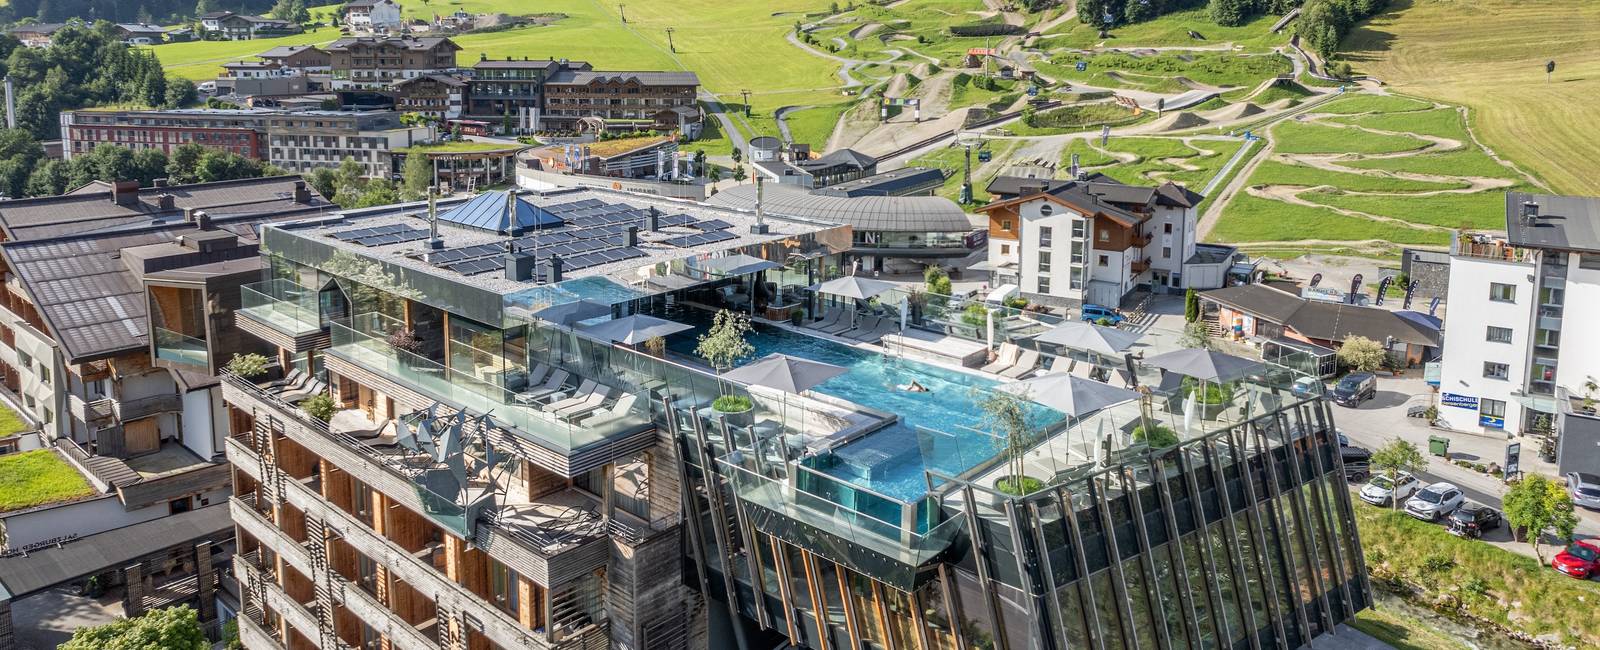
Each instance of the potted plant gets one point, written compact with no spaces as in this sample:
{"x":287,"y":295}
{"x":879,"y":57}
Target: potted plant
{"x":1150,"y":431}
{"x":405,"y":340}
{"x":1589,"y":389}
{"x":656,"y":347}
{"x":320,"y":406}
{"x":1008,"y":415}
{"x":248,"y":366}
{"x":723,"y":346}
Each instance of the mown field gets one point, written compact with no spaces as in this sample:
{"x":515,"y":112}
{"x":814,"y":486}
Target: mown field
{"x":731,"y":46}
{"x":1170,"y":30}
{"x":1489,"y":55}
{"x":1375,"y":171}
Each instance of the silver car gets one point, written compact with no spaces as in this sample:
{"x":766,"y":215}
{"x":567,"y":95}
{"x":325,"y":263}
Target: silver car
{"x":1380,"y":491}
{"x":1585,"y":489}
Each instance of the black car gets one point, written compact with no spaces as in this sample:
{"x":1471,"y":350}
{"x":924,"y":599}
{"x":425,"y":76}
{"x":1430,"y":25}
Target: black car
{"x":1472,"y":519}
{"x":1357,"y":463}
{"x":1355,"y":388}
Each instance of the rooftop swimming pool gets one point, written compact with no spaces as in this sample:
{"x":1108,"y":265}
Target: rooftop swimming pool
{"x":890,"y":461}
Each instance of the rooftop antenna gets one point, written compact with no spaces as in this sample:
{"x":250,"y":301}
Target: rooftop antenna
{"x":434,"y":242}
{"x":761,"y":222}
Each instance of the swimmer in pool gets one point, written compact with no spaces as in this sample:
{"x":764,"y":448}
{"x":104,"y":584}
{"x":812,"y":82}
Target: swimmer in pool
{"x":915,"y":387}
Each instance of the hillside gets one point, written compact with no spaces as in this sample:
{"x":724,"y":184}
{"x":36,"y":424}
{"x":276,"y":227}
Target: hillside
{"x":1489,"y":55}
{"x":158,"y":11}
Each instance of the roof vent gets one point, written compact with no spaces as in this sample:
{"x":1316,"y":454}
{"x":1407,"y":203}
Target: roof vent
{"x":166,"y":201}
{"x":1530,"y":212}
{"x":519,"y":266}
{"x":125,"y":192}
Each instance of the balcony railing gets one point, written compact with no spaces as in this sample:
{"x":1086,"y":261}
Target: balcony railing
{"x":180,"y":348}
{"x":282,"y":305}
{"x":365,"y":345}
{"x":1140,"y":266}
{"x":145,"y":406}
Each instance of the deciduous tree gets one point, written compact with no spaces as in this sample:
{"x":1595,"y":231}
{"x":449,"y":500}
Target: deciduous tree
{"x":1536,"y":505}
{"x":1362,"y":354}
{"x":172,"y":628}
{"x":1395,"y":457}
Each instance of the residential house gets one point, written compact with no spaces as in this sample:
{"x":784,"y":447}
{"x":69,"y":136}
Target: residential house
{"x":649,"y":100}
{"x":36,"y":34}
{"x":300,"y":59}
{"x":141,"y":33}
{"x":1263,"y":312}
{"x":372,"y":15}
{"x":227,"y":25}
{"x":305,"y":140}
{"x":1114,"y":238}
{"x":438,"y":95}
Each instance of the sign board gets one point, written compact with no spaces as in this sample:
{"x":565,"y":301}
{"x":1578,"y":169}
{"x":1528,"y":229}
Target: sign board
{"x":1083,"y":66}
{"x":1324,"y":294}
{"x":1493,"y":421}
{"x":1513,"y":459}
{"x":1459,"y":401}
{"x":1431,"y":372}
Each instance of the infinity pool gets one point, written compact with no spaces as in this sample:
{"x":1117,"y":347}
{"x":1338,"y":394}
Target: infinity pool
{"x":890,"y":461}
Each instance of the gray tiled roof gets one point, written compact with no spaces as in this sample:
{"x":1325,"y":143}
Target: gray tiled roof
{"x":1565,"y":222}
{"x":1326,"y":321}
{"x":882,"y":213}
{"x":65,"y":251}
{"x":421,"y":44}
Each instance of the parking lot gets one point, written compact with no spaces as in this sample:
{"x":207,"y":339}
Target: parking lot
{"x":1383,"y":418}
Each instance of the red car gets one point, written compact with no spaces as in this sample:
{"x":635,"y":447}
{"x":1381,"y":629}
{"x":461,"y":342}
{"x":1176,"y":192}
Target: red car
{"x":1579,"y":560}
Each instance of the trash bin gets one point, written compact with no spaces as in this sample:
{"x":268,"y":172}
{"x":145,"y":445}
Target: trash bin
{"x":1439,"y":446}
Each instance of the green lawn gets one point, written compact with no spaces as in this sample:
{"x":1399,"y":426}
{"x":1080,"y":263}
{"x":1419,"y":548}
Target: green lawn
{"x":1168,"y":30}
{"x":1469,"y":162}
{"x":11,"y":423}
{"x":1293,"y":136}
{"x":814,"y":126}
{"x":1087,"y":156}
{"x":1248,"y":218}
{"x":1272,"y":172}
{"x":1367,"y":103}
{"x":1281,"y":91}
{"x":951,"y":160}
{"x":1440,"y":122}
{"x":1152,"y":167}
{"x":1079,"y":117}
{"x":1160,"y":72}
{"x":969,"y":90}
{"x":1481,"y":577}
{"x":202,"y":60}
{"x":1404,"y":632}
{"x":37,"y":477}
{"x":1479,"y":210}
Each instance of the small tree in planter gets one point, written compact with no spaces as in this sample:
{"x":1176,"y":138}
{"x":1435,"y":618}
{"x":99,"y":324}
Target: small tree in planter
{"x":1008,"y":415}
{"x":405,"y":340}
{"x":1150,"y":431}
{"x":248,"y":365}
{"x":320,"y":406}
{"x":656,"y":347}
{"x":723,"y":346}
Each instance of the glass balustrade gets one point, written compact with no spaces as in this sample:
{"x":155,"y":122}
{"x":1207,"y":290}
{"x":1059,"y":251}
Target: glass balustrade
{"x":282,"y":305}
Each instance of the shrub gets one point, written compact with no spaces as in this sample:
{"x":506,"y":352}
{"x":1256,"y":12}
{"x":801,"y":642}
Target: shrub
{"x":1158,"y":437}
{"x":1017,"y":302}
{"x":732,"y":404}
{"x":248,"y":365}
{"x":320,"y":406}
{"x":975,"y":315}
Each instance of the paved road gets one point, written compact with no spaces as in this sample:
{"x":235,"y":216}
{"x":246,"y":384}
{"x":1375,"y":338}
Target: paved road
{"x":719,"y":111}
{"x":1384,"y":418}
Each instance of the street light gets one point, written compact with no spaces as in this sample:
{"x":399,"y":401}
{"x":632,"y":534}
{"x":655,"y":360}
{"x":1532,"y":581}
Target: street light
{"x":670,"y":46}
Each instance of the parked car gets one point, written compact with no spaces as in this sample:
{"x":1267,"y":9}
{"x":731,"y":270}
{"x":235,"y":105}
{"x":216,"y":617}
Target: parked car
{"x":1306,"y":387}
{"x":1380,"y":491}
{"x":1435,"y":501}
{"x":1357,"y":463}
{"x":1418,"y":411}
{"x":1579,"y":559}
{"x":1093,"y":313}
{"x":1355,"y":388}
{"x":1471,"y":519}
{"x":1585,"y":489}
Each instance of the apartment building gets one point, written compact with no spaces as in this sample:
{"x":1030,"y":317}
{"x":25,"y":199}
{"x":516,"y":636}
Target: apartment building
{"x":305,"y":140}
{"x":1115,"y":238}
{"x":441,"y":96}
{"x":241,"y":131}
{"x":372,"y":15}
{"x":1509,"y":362}
{"x":116,"y":314}
{"x":498,"y":88}
{"x":452,"y":501}
{"x":231,"y":26}
{"x":299,"y":59}
{"x":650,"y":99}
{"x":373,"y":63}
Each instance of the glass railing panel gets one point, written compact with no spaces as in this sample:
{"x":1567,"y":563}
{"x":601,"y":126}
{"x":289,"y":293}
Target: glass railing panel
{"x":283,"y":305}
{"x":180,"y":348}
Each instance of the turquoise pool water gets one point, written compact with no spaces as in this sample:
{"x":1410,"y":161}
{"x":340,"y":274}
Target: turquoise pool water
{"x":891,"y":461}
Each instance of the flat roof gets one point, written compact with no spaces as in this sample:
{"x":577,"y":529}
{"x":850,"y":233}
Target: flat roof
{"x":474,"y":243}
{"x":886,"y":183}
{"x":1564,"y":222}
{"x":884,"y":213}
{"x":50,"y":566}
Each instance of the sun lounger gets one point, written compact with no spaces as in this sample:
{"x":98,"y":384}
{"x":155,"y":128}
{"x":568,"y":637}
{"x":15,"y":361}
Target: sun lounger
{"x":618,"y":410}
{"x":293,"y":381}
{"x":829,"y":319}
{"x":846,"y":322}
{"x":872,"y":335}
{"x":863,"y":325}
{"x":1004,"y":359}
{"x":1026,"y":363}
{"x":577,"y":403}
{"x":313,"y":387}
{"x":584,"y":388}
{"x":551,"y":384}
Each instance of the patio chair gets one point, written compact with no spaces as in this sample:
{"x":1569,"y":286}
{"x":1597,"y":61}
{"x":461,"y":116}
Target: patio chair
{"x":580,"y":403}
{"x":1025,"y":364}
{"x":551,"y":384}
{"x":315,"y":387}
{"x":618,"y":410}
{"x":292,"y":381}
{"x":1004,"y":359}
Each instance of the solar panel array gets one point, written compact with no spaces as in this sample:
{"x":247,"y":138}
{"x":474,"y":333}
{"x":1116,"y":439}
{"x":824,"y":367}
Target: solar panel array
{"x":352,"y":235}
{"x":714,"y":224}
{"x":395,"y":237}
{"x":711,"y":237}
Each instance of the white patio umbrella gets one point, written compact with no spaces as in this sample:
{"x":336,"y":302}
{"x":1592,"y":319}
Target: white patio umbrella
{"x":785,"y":373}
{"x":1088,"y":337}
{"x":854,"y":287}
{"x":634,"y":329}
{"x":1071,"y":394}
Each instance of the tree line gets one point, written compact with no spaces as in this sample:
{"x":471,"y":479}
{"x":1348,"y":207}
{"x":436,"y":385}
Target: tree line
{"x":1324,"y":23}
{"x":163,"y":12}
{"x":25,"y":172}
{"x":1223,"y":12}
{"x":85,"y":65}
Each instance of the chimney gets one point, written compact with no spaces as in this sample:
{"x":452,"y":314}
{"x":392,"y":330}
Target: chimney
{"x":159,"y":182}
{"x":166,"y":202}
{"x":125,"y":192}
{"x":653,"y":222}
{"x":434,"y":242}
{"x":1530,"y":212}
{"x":200,"y":218}
{"x":760,"y":227}
{"x":555,"y":269}
{"x":633,"y":236}
{"x":302,"y":193}
{"x":483,"y":56}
